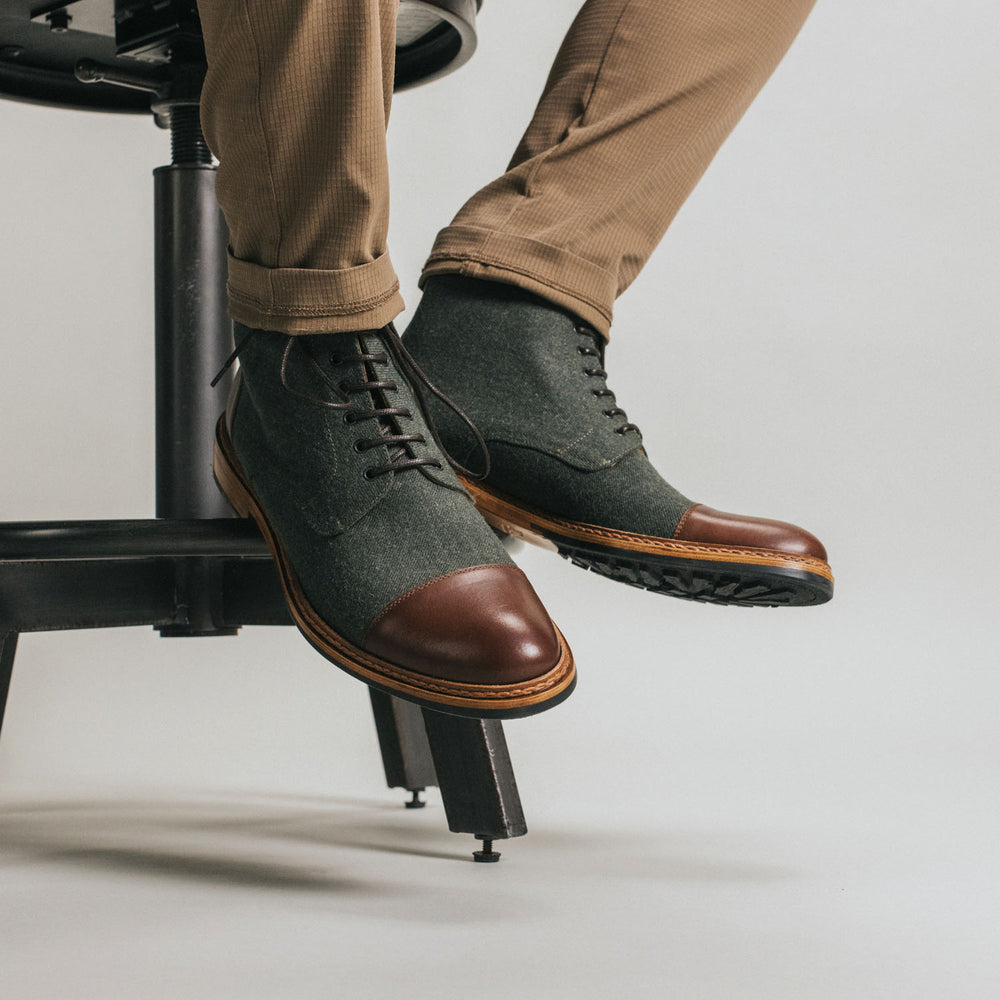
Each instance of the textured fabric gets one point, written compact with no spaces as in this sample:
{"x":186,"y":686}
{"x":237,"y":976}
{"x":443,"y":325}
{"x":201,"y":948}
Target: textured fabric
{"x":513,"y":358}
{"x":515,"y":364}
{"x":295,"y":104}
{"x":629,"y":495}
{"x":356,"y":544}
{"x":641,"y":96}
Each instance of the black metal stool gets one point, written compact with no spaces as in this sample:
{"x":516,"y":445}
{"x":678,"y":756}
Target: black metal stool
{"x":196,"y":570}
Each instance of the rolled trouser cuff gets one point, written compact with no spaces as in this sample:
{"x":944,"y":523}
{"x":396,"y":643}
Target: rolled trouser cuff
{"x":577,"y":285}
{"x":311,"y":300}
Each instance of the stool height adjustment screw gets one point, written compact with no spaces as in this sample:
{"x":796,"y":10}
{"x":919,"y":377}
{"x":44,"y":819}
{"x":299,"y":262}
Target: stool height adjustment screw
{"x":487,"y":854}
{"x":187,"y":142}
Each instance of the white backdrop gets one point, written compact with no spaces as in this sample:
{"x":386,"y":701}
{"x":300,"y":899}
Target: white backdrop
{"x":815,"y":340}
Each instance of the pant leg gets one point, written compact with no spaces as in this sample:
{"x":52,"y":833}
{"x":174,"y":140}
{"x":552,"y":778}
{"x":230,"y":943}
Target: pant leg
{"x":295,"y":106}
{"x":641,"y":96}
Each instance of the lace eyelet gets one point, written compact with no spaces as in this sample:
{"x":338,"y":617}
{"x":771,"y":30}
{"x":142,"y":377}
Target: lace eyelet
{"x":368,"y":474}
{"x":359,"y":447}
{"x":335,"y":359}
{"x":348,"y":418}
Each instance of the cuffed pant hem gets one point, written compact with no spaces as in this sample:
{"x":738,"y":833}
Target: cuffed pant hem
{"x":311,"y":300}
{"x":564,"y":279}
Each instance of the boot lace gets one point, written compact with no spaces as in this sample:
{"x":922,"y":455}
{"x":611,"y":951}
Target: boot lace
{"x":353,"y":395}
{"x":596,"y":350}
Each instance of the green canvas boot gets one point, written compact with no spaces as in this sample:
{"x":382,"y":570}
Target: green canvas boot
{"x":569,"y":472}
{"x":388,"y":569}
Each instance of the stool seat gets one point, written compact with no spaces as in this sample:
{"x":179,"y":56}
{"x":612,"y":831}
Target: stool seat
{"x":41,"y":44}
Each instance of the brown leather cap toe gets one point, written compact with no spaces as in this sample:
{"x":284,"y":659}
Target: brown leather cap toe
{"x":716,"y":527}
{"x":482,"y":625}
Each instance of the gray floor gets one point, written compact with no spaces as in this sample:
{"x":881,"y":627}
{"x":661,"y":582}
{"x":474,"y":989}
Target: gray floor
{"x":814,"y":818}
{"x":278,"y":896}
{"x":263,"y":896}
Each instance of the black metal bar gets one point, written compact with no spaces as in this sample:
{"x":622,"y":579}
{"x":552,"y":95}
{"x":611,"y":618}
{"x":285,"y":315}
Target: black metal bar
{"x":102,"y":593}
{"x":402,"y":738}
{"x":43,"y":596}
{"x":198,"y":589}
{"x":134,"y":539}
{"x":8,"y":647}
{"x":252,"y":594}
{"x":194,"y":336}
{"x":475,"y":776}
{"x":152,"y":81}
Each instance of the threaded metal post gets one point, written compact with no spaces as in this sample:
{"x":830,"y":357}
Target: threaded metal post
{"x":187,"y":142}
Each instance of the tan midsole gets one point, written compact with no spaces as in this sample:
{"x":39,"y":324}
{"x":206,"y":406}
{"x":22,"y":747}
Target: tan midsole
{"x":526,"y":524}
{"x":361,"y":663}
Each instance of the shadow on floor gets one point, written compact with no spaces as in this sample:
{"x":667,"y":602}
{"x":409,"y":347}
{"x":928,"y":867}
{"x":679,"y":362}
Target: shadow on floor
{"x":253,"y":842}
{"x":304,"y":843}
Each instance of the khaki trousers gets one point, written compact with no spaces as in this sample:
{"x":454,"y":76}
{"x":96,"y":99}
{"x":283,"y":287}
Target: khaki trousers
{"x":295,"y":106}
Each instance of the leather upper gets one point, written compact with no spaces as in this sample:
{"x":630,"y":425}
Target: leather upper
{"x":716,"y":527}
{"x":482,"y":625}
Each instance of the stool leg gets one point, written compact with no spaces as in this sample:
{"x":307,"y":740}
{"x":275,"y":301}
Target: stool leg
{"x":8,"y":647}
{"x":406,"y":754}
{"x":476,"y":779}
